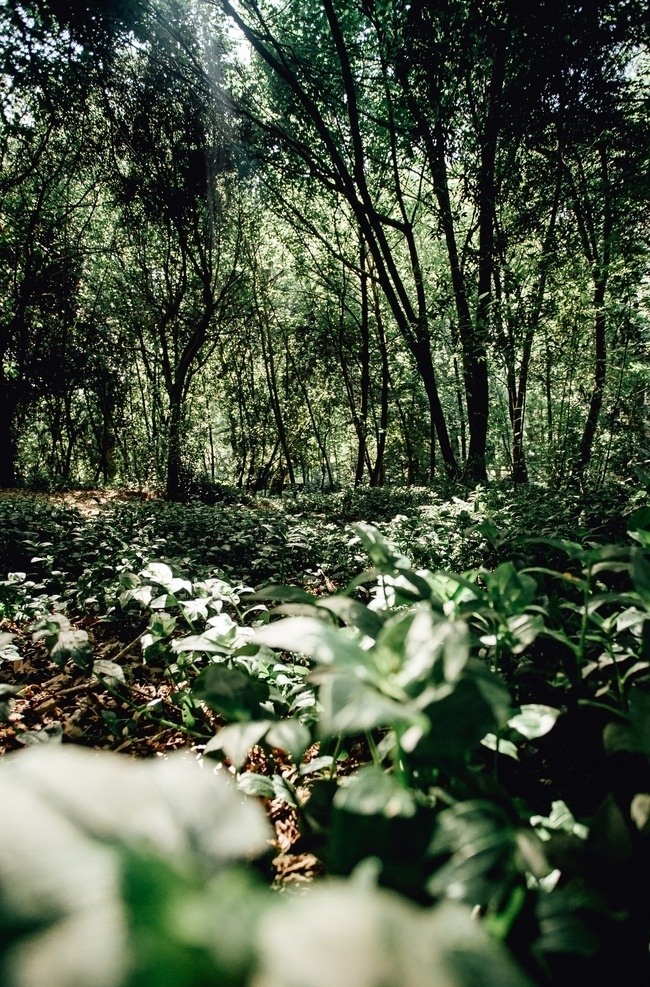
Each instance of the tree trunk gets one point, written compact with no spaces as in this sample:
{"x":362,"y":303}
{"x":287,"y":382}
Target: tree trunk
{"x":378,"y":473}
{"x":600,"y":271}
{"x":174,"y":484}
{"x":361,"y":423}
{"x":7,"y":438}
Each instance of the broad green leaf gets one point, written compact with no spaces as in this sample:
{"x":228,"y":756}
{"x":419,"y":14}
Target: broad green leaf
{"x":258,"y":785}
{"x":348,"y":935}
{"x":284,"y":594}
{"x":631,"y":619}
{"x":382,"y":554}
{"x":479,"y":704}
{"x":481,"y":841}
{"x":109,"y":670}
{"x":8,"y":690}
{"x":195,"y":609}
{"x":158,"y":572}
{"x":232,"y":692}
{"x":210,"y":644}
{"x":318,"y":764}
{"x":388,"y":651}
{"x":290,"y":735}
{"x":52,"y":733}
{"x":449,"y":588}
{"x":500,"y":745}
{"x":353,"y":613}
{"x":237,"y":739}
{"x":638,"y":525}
{"x":434,"y":649}
{"x":162,"y":625}
{"x":143,"y":594}
{"x":641,"y":575}
{"x":560,"y":819}
{"x":72,"y":645}
{"x":373,"y":792}
{"x":99,"y":862}
{"x":523,"y":629}
{"x":350,"y":707}
{"x":315,"y":638}
{"x":534,"y":720}
{"x":402,"y":587}
{"x":283,"y":790}
{"x":508,"y":590}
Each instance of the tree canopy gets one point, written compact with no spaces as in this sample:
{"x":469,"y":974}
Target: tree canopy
{"x":323,"y":243}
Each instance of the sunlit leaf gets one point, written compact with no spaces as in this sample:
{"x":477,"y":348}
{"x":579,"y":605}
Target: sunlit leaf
{"x":315,"y":638}
{"x":237,"y":739}
{"x":534,"y":720}
{"x":500,"y":745}
{"x":349,"y":707}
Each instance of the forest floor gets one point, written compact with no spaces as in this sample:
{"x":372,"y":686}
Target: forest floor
{"x":85,"y":501}
{"x":66,"y":705}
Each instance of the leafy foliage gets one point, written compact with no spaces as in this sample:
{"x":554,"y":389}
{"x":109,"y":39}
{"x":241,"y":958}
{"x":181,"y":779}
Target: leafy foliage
{"x":476,"y":739}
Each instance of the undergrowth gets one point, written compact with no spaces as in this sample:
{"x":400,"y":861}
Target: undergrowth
{"x":450,"y":700}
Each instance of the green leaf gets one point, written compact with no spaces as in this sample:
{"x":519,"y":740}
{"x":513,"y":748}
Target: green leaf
{"x":480,"y":704}
{"x":353,"y":613}
{"x":382,"y":554}
{"x":434,"y":649}
{"x":284,"y":594}
{"x":75,"y":824}
{"x":284,"y":791}
{"x":237,"y":739}
{"x":500,"y":745}
{"x":345,"y":935}
{"x":8,"y":690}
{"x":534,"y":720}
{"x":108,"y":670}
{"x":52,"y":733}
{"x":641,"y":575}
{"x":523,"y":629}
{"x":315,"y":638}
{"x":318,"y":764}
{"x":291,"y":736}
{"x":638,"y":525}
{"x":260,"y":786}
{"x":350,"y":707}
{"x":232,"y":692}
{"x":481,"y":841}
{"x":373,"y":792}
{"x":509,"y":590}
{"x":215,"y":640}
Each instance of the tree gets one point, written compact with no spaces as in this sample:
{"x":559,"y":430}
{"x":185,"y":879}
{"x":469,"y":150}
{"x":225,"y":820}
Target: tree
{"x":411,"y":113}
{"x":51,"y":191}
{"x":181,"y":230}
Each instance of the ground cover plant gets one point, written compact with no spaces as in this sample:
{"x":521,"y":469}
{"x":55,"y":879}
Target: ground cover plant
{"x":456,"y":755}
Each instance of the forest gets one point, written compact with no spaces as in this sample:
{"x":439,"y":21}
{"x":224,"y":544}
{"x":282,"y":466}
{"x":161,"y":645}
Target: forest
{"x":324,"y":493}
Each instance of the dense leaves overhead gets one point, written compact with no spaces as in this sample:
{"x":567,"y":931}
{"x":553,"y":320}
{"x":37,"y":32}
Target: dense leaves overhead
{"x":337,"y":242}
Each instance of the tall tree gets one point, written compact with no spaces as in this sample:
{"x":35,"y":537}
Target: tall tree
{"x":181,"y":227}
